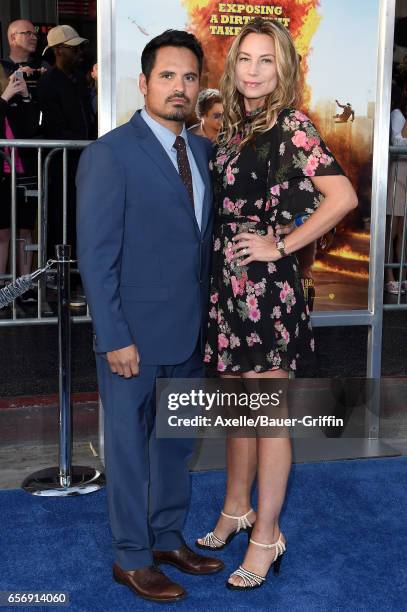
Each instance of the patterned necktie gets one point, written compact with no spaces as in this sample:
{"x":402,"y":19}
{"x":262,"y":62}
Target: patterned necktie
{"x":183,"y":165}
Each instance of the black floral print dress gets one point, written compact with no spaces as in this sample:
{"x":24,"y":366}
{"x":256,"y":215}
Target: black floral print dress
{"x":258,"y":318}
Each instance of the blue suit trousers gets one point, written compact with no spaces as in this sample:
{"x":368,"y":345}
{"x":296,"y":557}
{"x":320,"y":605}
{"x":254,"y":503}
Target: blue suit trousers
{"x":148,"y":481}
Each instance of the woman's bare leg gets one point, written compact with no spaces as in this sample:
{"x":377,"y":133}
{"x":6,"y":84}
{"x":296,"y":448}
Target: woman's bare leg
{"x":273,"y":467}
{"x":241,"y":461}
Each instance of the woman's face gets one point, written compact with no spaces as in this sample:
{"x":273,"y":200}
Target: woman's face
{"x":213,"y":118}
{"x":256,"y":69}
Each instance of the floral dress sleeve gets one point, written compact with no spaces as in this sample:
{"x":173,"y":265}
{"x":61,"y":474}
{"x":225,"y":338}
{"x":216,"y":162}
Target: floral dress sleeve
{"x":302,"y":155}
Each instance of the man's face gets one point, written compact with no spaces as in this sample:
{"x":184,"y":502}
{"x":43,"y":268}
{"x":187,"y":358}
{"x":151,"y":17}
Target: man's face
{"x":69,"y":55}
{"x":24,"y":36}
{"x":172,"y":89}
{"x":213,"y":118}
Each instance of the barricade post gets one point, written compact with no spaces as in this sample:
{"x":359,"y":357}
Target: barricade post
{"x":64,"y":480}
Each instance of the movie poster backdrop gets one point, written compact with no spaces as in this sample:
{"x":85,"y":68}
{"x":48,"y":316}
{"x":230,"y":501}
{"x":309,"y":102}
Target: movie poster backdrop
{"x":337,"y":41}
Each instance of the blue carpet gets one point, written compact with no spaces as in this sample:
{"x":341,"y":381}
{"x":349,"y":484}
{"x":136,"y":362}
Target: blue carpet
{"x":345,"y":523}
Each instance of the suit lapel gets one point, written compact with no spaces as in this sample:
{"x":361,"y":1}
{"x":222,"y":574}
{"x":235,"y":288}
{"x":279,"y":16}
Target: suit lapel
{"x":156,"y":152}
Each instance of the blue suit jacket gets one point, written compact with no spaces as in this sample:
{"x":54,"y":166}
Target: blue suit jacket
{"x":143,"y":260}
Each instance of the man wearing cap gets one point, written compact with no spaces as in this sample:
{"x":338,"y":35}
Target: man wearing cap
{"x":67,"y":115}
{"x":64,"y":97}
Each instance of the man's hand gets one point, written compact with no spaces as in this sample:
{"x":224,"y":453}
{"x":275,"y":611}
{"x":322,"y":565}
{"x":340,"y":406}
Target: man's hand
{"x":124,"y":361}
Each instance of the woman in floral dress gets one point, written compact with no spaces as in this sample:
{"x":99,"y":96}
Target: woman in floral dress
{"x":270,"y":164}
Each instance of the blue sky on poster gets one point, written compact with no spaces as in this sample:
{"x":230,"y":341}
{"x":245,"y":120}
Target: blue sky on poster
{"x":342,"y":64}
{"x":137,"y":23}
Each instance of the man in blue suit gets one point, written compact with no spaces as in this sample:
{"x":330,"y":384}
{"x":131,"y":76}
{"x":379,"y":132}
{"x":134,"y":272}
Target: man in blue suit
{"x":144,"y":240}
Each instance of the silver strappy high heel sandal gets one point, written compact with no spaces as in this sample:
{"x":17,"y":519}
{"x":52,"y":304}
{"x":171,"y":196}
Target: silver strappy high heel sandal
{"x":252,"y":580}
{"x":211,"y":540}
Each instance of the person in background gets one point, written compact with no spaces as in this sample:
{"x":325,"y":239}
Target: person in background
{"x":24,"y":120}
{"x":19,"y":118}
{"x":23,"y":39}
{"x":63,"y":93}
{"x":94,"y":89}
{"x":67,"y":115}
{"x":209,"y":111}
{"x":396,"y":207}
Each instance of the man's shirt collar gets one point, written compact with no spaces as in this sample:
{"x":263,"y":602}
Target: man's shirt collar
{"x":164,"y":135}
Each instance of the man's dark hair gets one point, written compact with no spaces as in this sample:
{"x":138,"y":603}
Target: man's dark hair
{"x":169,"y":38}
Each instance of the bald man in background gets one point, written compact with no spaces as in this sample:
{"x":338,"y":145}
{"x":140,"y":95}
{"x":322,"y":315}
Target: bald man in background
{"x":22,"y":39}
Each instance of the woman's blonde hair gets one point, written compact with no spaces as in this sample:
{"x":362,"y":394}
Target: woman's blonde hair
{"x":286,"y":93}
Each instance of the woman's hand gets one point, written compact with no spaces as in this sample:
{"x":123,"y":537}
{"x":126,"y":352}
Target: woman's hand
{"x":255,"y":248}
{"x":284,"y":230}
{"x":15,"y":86}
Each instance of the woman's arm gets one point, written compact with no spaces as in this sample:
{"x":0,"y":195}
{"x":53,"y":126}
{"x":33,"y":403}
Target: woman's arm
{"x":15,"y":86}
{"x":339,"y":199}
{"x":21,"y":111}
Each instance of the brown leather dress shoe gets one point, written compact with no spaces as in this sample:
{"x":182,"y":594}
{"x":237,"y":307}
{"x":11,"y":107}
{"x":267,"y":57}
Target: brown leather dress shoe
{"x":188,"y":561}
{"x":149,"y":583}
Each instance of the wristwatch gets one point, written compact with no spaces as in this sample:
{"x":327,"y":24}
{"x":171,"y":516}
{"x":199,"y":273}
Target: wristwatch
{"x":280,"y":246}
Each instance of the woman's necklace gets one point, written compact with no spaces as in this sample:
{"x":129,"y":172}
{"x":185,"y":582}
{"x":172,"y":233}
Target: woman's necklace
{"x":254,"y":113}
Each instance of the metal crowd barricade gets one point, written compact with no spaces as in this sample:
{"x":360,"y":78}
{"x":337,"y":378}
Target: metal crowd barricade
{"x":398,"y":159}
{"x":43,"y":162}
{"x":371,"y":317}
